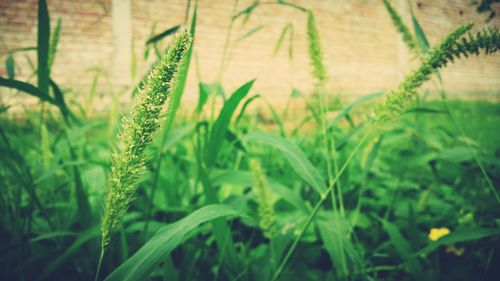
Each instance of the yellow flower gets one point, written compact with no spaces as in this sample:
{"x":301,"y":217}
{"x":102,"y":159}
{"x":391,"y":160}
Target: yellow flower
{"x":437,"y":233}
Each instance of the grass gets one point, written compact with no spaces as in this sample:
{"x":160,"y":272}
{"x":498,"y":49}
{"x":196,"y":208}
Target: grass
{"x":421,"y":166}
{"x":350,"y":191}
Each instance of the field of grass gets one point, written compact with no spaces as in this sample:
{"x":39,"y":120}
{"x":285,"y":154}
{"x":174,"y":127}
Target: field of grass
{"x":391,"y":186}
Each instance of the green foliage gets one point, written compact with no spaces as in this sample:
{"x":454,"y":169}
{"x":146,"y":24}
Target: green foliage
{"x":148,"y":257}
{"x":220,"y":126}
{"x":295,"y":156}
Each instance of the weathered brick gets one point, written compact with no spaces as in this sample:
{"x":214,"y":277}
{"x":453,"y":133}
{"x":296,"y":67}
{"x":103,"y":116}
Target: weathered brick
{"x":362,"y":51}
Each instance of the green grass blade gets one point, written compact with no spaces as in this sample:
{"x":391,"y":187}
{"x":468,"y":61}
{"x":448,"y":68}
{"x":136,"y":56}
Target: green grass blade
{"x":43,"y":46}
{"x":245,"y":179}
{"x":9,"y":65}
{"x":403,"y":248}
{"x":285,"y":30}
{"x":244,"y":107}
{"x":54,"y":265}
{"x":202,"y":98}
{"x":246,"y":11}
{"x":149,"y":256}
{"x":59,"y":98}
{"x":276,"y":118}
{"x":344,"y":112}
{"x":29,"y":89}
{"x":84,"y":214}
{"x":162,"y":35}
{"x":397,"y":239}
{"x":205,"y":90}
{"x":176,"y":135}
{"x":249,"y":33}
{"x":419,"y":33}
{"x":295,"y":156}
{"x":54,"y":42}
{"x":334,"y":231}
{"x":220,"y":126}
{"x":291,"y":5}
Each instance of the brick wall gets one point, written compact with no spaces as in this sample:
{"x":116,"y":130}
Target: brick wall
{"x":363,"y":53}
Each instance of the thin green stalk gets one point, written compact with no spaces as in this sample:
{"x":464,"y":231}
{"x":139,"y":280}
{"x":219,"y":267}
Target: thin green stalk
{"x":319,"y":72}
{"x":330,"y":161}
{"x":101,"y":258}
{"x":469,"y":147}
{"x":314,"y":212}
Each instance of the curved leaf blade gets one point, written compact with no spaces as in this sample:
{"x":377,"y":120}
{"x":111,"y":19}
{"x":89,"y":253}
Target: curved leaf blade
{"x":43,"y":46}
{"x":147,"y":258}
{"x":295,"y":156}
{"x":220,"y":126}
{"x":9,"y":65}
{"x":162,"y":35}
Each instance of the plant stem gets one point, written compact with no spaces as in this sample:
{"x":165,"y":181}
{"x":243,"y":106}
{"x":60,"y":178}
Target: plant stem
{"x":98,"y":271}
{"x":314,"y":212}
{"x":474,"y":155}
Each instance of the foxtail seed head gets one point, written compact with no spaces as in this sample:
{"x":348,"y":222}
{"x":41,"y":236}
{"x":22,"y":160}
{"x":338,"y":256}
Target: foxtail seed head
{"x":265,"y":206}
{"x":127,"y":160}
{"x":396,"y":102}
{"x":315,"y":53}
{"x":408,"y":38}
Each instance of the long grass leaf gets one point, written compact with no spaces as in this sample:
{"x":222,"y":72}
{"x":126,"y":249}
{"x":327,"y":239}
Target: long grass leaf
{"x":344,"y":112}
{"x":84,"y":212}
{"x":249,"y":33}
{"x":220,"y":126}
{"x":295,"y":156}
{"x":176,"y":135}
{"x":53,"y":265}
{"x":286,"y":29}
{"x":246,"y":179}
{"x":59,"y":97}
{"x":54,"y":42}
{"x":149,"y":256}
{"x":419,"y":33}
{"x":246,"y":11}
{"x":9,"y":65}
{"x":162,"y":35}
{"x":403,"y":248}
{"x":29,"y":89}
{"x":244,"y":107}
{"x":43,"y":46}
